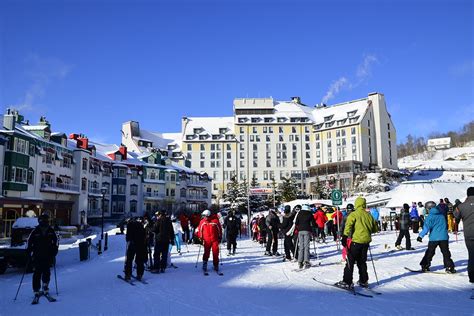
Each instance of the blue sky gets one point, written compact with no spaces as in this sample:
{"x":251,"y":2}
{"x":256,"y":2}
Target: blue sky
{"x":91,"y":65}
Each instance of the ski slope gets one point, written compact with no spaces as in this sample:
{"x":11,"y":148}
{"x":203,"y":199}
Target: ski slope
{"x":252,"y":284}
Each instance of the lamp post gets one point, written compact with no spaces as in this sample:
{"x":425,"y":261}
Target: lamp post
{"x":103,"y":191}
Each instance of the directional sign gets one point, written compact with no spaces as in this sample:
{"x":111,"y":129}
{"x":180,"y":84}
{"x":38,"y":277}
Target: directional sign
{"x":336,"y":197}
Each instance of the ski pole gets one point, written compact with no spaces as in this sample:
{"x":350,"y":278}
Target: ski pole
{"x":373,"y":265}
{"x":197,"y":259}
{"x":55,"y":278}
{"x":21,"y":281}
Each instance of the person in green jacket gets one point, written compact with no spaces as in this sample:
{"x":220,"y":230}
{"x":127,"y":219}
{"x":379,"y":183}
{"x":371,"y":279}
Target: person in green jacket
{"x":360,"y":225}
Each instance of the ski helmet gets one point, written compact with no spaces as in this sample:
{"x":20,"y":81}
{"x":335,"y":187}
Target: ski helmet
{"x":350,"y":207}
{"x":206,"y":213}
{"x":429,"y":205}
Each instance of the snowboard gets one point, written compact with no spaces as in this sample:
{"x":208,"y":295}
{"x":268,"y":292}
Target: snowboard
{"x":434,"y":272}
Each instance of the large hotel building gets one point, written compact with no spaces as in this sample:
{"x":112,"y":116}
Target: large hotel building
{"x":267,"y":139}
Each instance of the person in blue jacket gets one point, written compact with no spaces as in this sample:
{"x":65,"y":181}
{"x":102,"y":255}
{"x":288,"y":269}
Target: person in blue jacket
{"x":435,"y":225}
{"x":375,"y":214}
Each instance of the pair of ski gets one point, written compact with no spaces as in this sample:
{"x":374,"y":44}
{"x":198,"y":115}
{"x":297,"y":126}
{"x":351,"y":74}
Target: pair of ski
{"x":352,"y":290}
{"x":217,"y":271}
{"x":48,"y":297}
{"x":130,"y":281}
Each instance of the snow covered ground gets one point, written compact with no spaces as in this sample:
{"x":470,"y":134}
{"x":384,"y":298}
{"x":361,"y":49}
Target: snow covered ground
{"x":252,"y":285}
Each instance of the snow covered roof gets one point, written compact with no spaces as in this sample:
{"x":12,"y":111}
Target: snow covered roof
{"x":35,"y":127}
{"x":424,"y":191}
{"x":26,"y":222}
{"x":209,"y":126}
{"x":347,"y":113}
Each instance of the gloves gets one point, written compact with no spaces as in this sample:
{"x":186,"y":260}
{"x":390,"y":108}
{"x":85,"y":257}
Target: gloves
{"x":419,"y":239}
{"x":344,"y":241}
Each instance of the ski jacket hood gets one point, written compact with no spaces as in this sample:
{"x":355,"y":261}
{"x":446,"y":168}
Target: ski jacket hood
{"x":435,"y":225}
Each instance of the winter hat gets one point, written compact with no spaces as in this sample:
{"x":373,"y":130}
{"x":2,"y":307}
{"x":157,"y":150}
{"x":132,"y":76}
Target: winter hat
{"x":350,"y":207}
{"x":429,"y":205}
{"x":206,"y":213}
{"x":287,"y":209}
{"x":406,"y":206}
{"x":470,"y":191}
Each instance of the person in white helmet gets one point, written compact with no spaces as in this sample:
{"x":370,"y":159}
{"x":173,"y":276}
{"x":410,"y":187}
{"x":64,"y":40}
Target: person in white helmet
{"x":210,"y":232}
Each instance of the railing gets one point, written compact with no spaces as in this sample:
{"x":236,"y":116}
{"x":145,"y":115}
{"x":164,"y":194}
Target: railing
{"x":95,"y":191}
{"x":94,"y":213}
{"x":53,"y":186}
{"x":153,"y":195}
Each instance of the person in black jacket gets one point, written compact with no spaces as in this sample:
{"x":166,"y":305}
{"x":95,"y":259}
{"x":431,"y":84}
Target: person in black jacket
{"x":232,"y":227}
{"x":136,"y":248}
{"x":286,"y":225}
{"x":42,"y":249}
{"x":304,"y":224}
{"x":404,"y":225}
{"x":164,"y":235}
{"x":273,"y":225}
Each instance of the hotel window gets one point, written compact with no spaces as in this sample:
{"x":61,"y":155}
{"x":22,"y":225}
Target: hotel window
{"x":242,"y":164}
{"x":241,"y":138}
{"x":203,"y":147}
{"x":252,"y":138}
{"x":343,"y":132}
{"x":280,"y":130}
{"x":241,"y":146}
{"x":317,"y":136}
{"x":329,"y":144}
{"x":264,"y":129}
{"x":353,"y":130}
{"x":190,"y":147}
{"x":228,"y":147}
{"x":270,"y":129}
{"x":254,"y":130}
{"x":269,"y":163}
{"x":229,"y":164}
{"x":267,"y":138}
{"x":255,"y":164}
{"x":328,"y":134}
{"x":241,"y":130}
{"x":353,"y":140}
{"x":280,"y":138}
{"x":293,"y":130}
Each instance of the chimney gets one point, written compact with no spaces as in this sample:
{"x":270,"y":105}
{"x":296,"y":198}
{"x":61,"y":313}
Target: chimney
{"x":81,"y":141}
{"x":9,"y":120}
{"x":296,"y":100}
{"x":123,"y":151}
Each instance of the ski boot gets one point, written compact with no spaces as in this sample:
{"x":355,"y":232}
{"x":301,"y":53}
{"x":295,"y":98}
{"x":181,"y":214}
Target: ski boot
{"x":204,"y":266}
{"x":277,"y":254}
{"x":307,"y":265}
{"x":300,"y":265}
{"x":267,"y":253}
{"x":36,"y":298}
{"x":363,"y":284}
{"x":45,"y":289}
{"x":425,"y":269}
{"x":450,"y":270}
{"x":344,"y":285}
{"x":233,"y":251}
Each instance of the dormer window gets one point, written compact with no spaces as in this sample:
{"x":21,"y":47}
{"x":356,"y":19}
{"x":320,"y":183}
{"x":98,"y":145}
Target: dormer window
{"x":243,"y":119}
{"x":197,"y":130}
{"x":351,"y":113}
{"x":281,"y":119}
{"x":202,"y":137}
{"x":328,"y":118}
{"x":222,"y":130}
{"x":255,"y":119}
{"x":295,"y":119}
{"x":189,"y":137}
{"x":268,"y":119}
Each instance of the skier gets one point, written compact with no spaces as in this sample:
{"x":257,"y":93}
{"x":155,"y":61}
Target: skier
{"x":404,"y":225}
{"x":465,"y":212}
{"x":178,"y":230}
{"x":435,"y":225}
{"x":42,"y":249}
{"x":305,"y":223}
{"x":422,"y":212}
{"x":210,"y":232}
{"x":414,"y":218}
{"x":337,"y":218}
{"x":232,"y":226}
{"x":262,"y":228}
{"x":164,"y":235}
{"x":320,"y":219}
{"x":286,"y":224}
{"x":273,"y":225}
{"x":183,"y":219}
{"x":360,"y":225}
{"x":255,"y":229}
{"x":136,"y":238}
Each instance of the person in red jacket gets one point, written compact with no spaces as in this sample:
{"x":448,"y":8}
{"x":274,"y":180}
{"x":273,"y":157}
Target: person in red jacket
{"x":320,"y":219}
{"x":184,"y":220}
{"x":195,"y":219}
{"x":210,"y":232}
{"x":337,"y":220}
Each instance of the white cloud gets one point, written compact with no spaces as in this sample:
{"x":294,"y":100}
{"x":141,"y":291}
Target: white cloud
{"x":41,"y":71}
{"x":363,"y":72}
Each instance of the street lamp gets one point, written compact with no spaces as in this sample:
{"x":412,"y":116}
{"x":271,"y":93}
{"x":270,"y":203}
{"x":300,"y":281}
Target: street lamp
{"x":103,"y":191}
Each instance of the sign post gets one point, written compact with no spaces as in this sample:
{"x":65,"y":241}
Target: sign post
{"x":336,"y":197}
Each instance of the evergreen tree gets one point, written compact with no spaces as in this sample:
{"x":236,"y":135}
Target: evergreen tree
{"x":274,"y":198}
{"x":289,"y":189}
{"x":256,"y":200}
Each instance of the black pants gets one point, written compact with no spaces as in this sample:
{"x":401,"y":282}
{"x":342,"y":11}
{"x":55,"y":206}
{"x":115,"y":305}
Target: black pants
{"x":406,"y":234}
{"x":356,"y":254}
{"x":231,"y":241}
{"x":430,"y":252}
{"x":289,"y":246}
{"x":263,"y":236}
{"x":415,"y":227}
{"x":321,"y":233}
{"x":272,"y":238}
{"x":134,"y":253}
{"x":470,"y":260}
{"x":186,"y":234}
{"x":161,"y":254}
{"x":41,"y":273}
